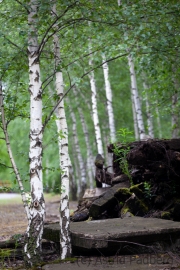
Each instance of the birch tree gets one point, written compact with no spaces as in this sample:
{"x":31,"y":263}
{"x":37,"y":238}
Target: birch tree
{"x":65,"y":240}
{"x":95,"y":111}
{"x":175,"y":108}
{"x":175,"y":117}
{"x":136,"y":131}
{"x":148,"y":112}
{"x":135,"y":96}
{"x":88,"y":147}
{"x":32,"y":248}
{"x":82,"y":175}
{"x":109,"y":99}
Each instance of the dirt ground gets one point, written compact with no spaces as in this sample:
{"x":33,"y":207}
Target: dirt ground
{"x":13,"y":217}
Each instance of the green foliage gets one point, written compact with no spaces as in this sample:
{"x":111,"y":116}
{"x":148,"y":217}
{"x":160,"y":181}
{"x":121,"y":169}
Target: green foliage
{"x":147,"y":190}
{"x":150,"y":31}
{"x":122,"y":149}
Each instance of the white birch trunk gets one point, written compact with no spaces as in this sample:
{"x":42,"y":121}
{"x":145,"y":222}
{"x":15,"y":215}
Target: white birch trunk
{"x":148,"y":112}
{"x":88,"y":147}
{"x":158,"y":122}
{"x":174,"y":117}
{"x":109,"y":100}
{"x":86,"y":101}
{"x":95,"y":111}
{"x":89,"y":165}
{"x":34,"y":232}
{"x":82,"y":175}
{"x":136,"y":131}
{"x":65,"y":240}
{"x":136,"y":99}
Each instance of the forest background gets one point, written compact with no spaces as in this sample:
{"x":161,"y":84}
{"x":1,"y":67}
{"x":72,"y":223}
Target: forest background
{"x":147,"y":30}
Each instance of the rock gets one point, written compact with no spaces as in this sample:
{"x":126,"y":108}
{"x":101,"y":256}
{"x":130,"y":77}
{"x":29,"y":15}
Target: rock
{"x":176,"y":210}
{"x":121,"y":179}
{"x":105,"y":202}
{"x":135,"y":206}
{"x":94,"y":193}
{"x":80,"y":216}
{"x":99,"y":161}
{"x":166,"y":215}
{"x":109,"y":200}
{"x":138,"y":190}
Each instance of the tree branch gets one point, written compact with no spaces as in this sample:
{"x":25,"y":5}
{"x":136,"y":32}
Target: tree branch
{"x":4,"y":165}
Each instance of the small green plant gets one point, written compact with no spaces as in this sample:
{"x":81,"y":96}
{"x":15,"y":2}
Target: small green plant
{"x":147,"y":190}
{"x":4,"y":254}
{"x":121,"y":150}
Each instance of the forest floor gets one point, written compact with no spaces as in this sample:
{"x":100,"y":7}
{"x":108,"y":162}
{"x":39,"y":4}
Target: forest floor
{"x":13,"y":221}
{"x":13,"y":217}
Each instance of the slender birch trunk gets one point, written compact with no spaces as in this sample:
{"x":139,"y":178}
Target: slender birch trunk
{"x":94,"y":109}
{"x":8,"y":145}
{"x":175,"y":110}
{"x":174,"y":117}
{"x":135,"y":96}
{"x":148,"y":112}
{"x":136,"y":131}
{"x":158,"y":122}
{"x":32,"y":248}
{"x":79,"y":157}
{"x":87,"y":141}
{"x":86,"y":101}
{"x":88,"y":147}
{"x":109,"y":100}
{"x":112,"y":131}
{"x":72,"y":183}
{"x":95,"y":113}
{"x":65,"y":240}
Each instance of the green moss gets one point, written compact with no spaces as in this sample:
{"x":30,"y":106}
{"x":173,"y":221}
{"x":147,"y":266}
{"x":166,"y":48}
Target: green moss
{"x":122,"y":194}
{"x":71,"y":260}
{"x":136,"y":189}
{"x":124,"y":210}
{"x":135,"y":206}
{"x":142,"y":206}
{"x":166,"y":215}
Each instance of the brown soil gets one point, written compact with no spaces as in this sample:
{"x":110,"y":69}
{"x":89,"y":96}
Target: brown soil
{"x":13,"y":219}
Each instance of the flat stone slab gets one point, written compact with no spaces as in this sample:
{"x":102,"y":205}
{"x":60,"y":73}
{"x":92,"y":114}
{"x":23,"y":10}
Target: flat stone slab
{"x":110,"y":235}
{"x":94,"y":193}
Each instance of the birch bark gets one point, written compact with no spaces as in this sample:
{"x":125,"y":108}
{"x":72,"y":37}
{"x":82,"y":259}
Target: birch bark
{"x":175,"y":109}
{"x":148,"y":112}
{"x":32,"y":248}
{"x":87,"y":141}
{"x":65,"y":240}
{"x":88,"y":148}
{"x":136,"y":131}
{"x":95,"y":112}
{"x":79,"y":157}
{"x":109,"y":100}
{"x":135,"y":96}
{"x":174,"y":117}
